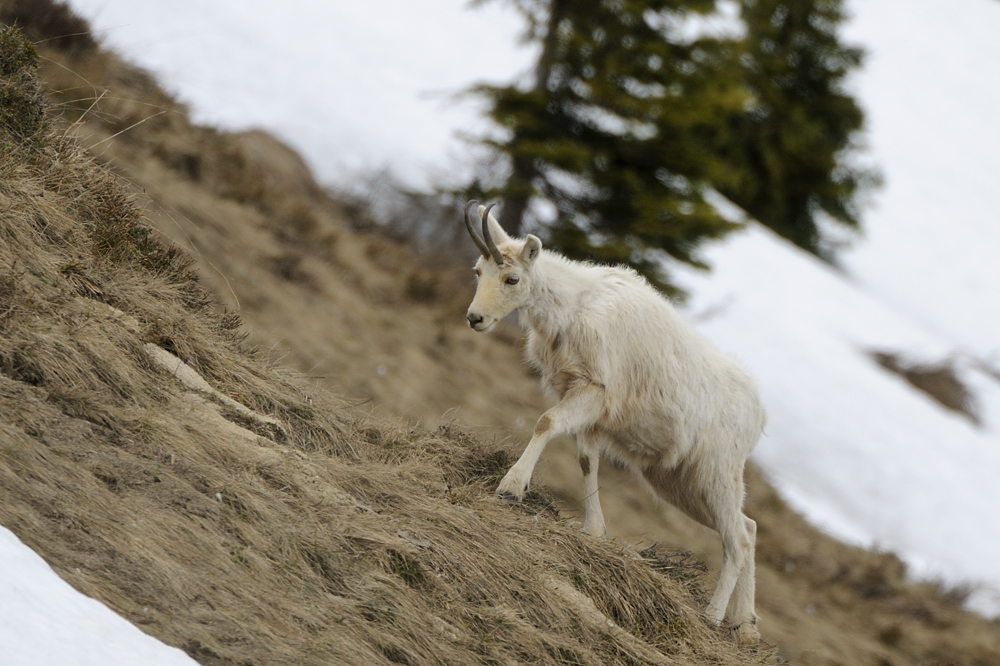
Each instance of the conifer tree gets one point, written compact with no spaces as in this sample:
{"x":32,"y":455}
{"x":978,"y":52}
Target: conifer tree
{"x":617,"y":129}
{"x":629,"y":122}
{"x":790,"y":146}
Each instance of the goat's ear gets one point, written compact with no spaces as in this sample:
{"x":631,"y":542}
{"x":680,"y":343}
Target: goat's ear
{"x":532,"y":248}
{"x":499,"y":235}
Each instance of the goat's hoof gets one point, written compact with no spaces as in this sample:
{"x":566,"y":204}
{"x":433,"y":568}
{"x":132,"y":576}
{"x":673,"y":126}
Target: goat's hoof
{"x":747,"y":635}
{"x":713,"y":617}
{"x":511,"y":489}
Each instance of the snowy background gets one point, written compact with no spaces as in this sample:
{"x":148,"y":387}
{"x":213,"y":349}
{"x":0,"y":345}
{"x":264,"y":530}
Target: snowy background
{"x":354,"y":86}
{"x":363,"y":86}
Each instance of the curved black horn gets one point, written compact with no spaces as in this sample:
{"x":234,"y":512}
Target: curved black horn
{"x":490,"y":243}
{"x":472,"y":232}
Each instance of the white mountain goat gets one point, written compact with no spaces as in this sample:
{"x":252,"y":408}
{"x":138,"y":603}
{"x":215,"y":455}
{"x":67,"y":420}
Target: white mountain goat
{"x":635,"y":383}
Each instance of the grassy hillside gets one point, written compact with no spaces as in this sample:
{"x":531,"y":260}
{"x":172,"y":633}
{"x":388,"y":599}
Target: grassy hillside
{"x":253,"y":519}
{"x":336,"y":533}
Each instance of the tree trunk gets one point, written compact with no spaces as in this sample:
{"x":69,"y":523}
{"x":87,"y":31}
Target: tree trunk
{"x":523,"y":170}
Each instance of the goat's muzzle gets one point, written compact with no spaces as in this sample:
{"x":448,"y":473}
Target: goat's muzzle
{"x":474,"y":320}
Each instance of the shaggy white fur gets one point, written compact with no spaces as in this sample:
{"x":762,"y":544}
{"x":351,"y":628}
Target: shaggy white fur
{"x":635,"y":383}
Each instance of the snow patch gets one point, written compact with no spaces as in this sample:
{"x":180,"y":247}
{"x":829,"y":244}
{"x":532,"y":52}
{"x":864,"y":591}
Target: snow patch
{"x":43,"y":620}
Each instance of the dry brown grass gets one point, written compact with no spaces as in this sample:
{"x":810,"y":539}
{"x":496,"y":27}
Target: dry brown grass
{"x":336,"y":538}
{"x":373,"y":321}
{"x":240,"y":550}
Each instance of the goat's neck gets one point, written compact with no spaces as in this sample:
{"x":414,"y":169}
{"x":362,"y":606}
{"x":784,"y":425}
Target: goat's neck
{"x":557,"y":286}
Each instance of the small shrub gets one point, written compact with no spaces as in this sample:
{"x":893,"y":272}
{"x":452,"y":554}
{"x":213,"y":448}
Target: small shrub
{"x":406,"y":568}
{"x":938,"y":380}
{"x":891,"y":635}
{"x":422,"y":286}
{"x":21,"y":109}
{"x":51,"y":22}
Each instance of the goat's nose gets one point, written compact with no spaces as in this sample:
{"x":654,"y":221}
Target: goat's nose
{"x":474,"y":319}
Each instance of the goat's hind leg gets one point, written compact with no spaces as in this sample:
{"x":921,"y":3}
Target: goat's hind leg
{"x":574,"y":413}
{"x":740,"y":613}
{"x":737,"y":552}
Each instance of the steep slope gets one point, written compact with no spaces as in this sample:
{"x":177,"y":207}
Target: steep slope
{"x":227,"y":508}
{"x":354,"y":309}
{"x":376,"y":322}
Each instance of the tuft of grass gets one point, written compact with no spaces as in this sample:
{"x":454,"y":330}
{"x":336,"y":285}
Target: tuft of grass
{"x":407,"y":568}
{"x":22,"y":115}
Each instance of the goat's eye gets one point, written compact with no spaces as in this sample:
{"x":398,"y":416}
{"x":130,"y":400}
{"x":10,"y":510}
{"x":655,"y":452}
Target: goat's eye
{"x":512,"y":279}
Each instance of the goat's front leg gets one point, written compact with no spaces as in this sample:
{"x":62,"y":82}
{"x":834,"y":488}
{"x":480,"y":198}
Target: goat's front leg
{"x":588,"y":446}
{"x":574,"y":413}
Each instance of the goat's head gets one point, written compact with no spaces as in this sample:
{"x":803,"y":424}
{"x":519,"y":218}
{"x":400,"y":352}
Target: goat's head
{"x":503,"y":272}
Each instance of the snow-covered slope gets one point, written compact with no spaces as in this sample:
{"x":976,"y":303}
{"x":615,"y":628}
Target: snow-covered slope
{"x":45,"y":621}
{"x":931,"y":92}
{"x":855,"y":448}
{"x":352,"y":85}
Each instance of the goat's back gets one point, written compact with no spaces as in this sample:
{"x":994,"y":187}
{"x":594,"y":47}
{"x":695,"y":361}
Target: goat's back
{"x":668,"y":391}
